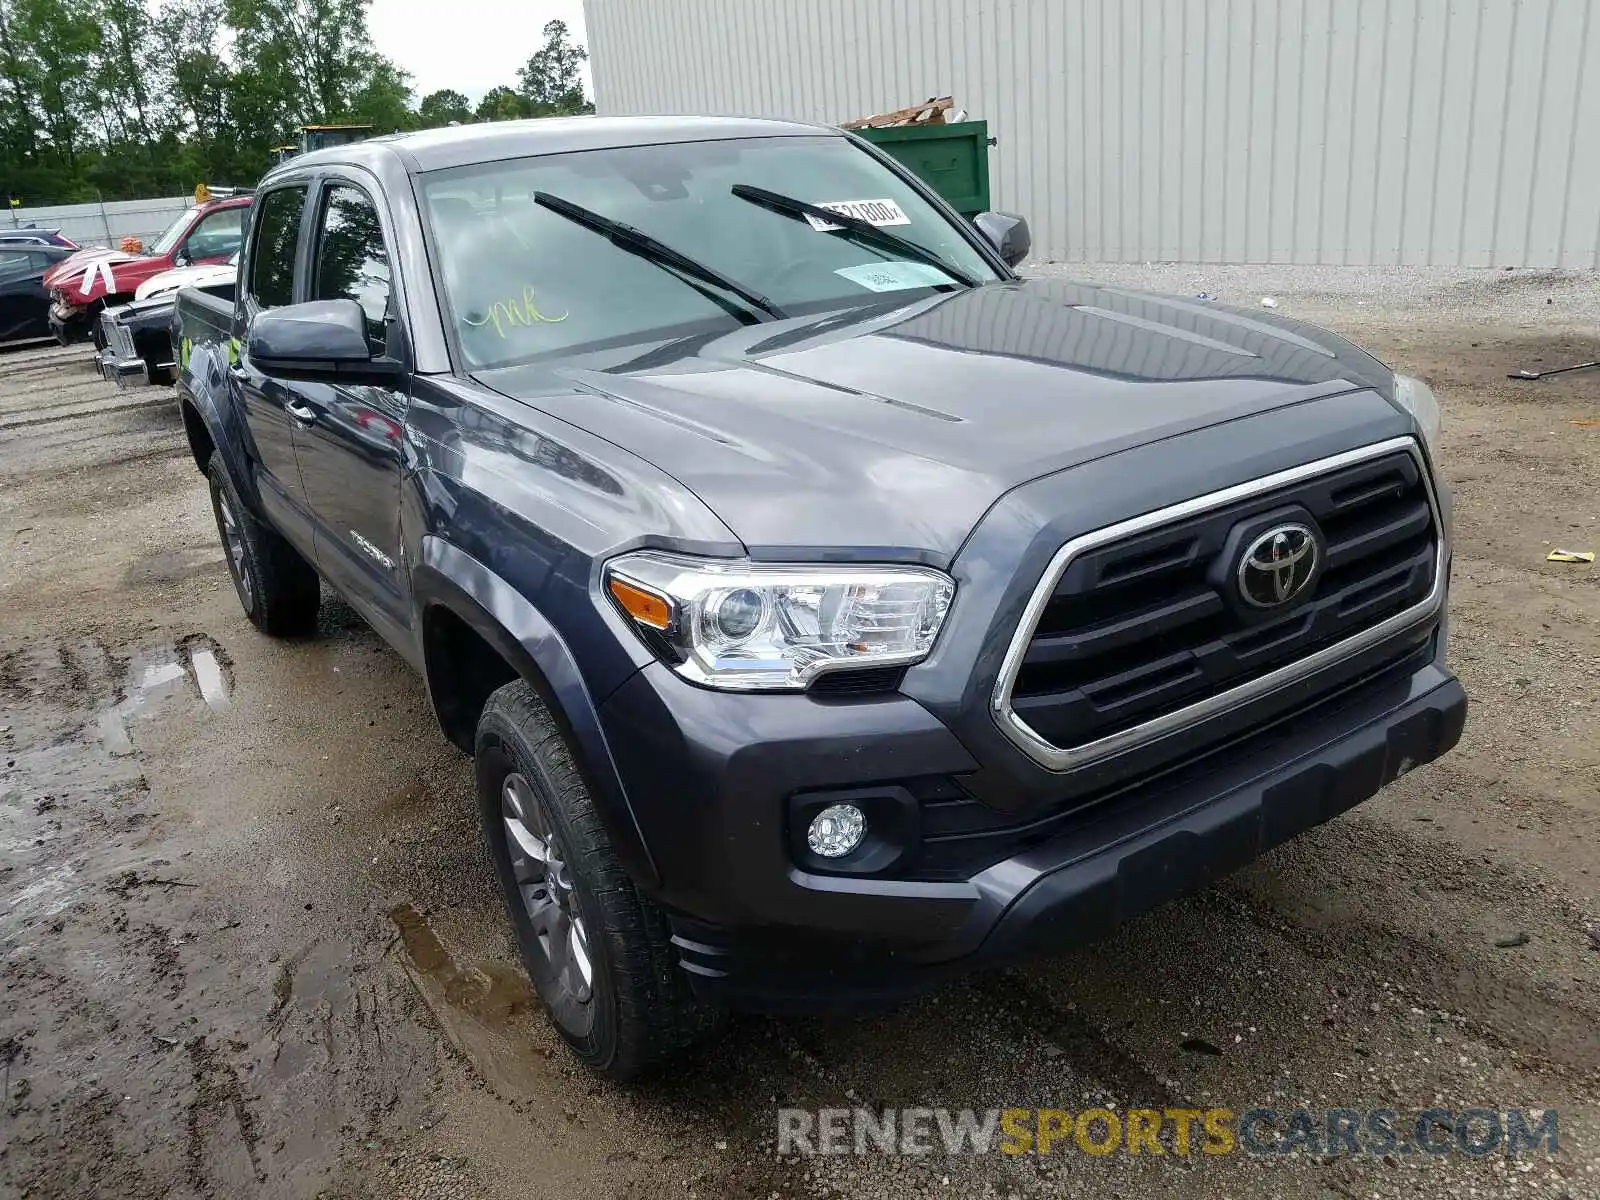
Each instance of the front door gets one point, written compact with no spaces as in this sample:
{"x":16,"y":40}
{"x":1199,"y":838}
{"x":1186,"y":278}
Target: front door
{"x":268,"y":282}
{"x":214,"y":237}
{"x":350,"y":449}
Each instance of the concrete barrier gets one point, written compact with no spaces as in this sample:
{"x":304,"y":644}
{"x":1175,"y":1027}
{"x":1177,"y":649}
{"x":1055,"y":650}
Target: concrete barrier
{"x":103,"y":224}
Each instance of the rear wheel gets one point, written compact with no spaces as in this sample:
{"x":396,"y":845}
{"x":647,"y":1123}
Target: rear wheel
{"x":278,"y":590}
{"x":598,"y":953}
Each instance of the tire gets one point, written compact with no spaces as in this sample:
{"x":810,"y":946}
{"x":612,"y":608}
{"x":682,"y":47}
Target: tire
{"x":278,"y":590}
{"x":633,"y":1009}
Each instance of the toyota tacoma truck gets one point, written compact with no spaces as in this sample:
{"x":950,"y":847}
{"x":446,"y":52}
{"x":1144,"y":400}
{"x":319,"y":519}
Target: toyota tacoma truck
{"x":827,"y":609}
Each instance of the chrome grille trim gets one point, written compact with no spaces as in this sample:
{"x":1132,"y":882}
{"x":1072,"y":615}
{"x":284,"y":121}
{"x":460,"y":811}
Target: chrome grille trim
{"x":1066,"y":758}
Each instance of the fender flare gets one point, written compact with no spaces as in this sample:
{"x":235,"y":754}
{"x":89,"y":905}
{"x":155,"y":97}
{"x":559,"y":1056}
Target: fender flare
{"x":200,"y":378}
{"x":449,"y":577}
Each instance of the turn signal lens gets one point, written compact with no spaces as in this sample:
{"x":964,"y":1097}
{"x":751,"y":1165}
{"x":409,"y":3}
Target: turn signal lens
{"x":644,"y":607}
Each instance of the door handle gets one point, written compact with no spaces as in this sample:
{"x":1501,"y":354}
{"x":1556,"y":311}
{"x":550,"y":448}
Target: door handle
{"x":302,"y":413}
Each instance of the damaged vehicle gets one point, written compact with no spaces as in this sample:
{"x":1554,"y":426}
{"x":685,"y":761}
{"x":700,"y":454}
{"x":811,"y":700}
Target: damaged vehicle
{"x":88,"y":282}
{"x":137,"y":343}
{"x":827,"y":609}
{"x":32,"y":235}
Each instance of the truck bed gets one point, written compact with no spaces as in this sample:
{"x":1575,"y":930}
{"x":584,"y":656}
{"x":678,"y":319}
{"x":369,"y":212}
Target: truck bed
{"x":205,"y":314}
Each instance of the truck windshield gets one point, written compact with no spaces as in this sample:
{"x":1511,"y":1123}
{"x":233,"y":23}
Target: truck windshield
{"x":523,"y":281}
{"x":169,"y":239}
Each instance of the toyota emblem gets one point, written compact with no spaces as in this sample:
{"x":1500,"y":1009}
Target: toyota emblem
{"x":1277,"y":566}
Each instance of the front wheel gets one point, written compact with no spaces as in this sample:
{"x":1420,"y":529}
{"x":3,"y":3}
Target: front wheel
{"x":598,"y":953}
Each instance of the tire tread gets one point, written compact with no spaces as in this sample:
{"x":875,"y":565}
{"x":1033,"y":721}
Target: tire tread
{"x":658,"y":1014}
{"x":288,"y":591}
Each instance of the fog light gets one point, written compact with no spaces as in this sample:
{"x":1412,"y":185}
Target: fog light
{"x":836,"y":830}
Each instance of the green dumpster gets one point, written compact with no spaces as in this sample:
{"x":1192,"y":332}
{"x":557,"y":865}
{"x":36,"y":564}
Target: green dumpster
{"x":951,"y":159}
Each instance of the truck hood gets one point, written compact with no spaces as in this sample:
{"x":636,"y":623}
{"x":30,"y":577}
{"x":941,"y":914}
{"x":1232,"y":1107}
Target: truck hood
{"x":74,"y":263}
{"x":86,"y":278}
{"x":180,"y":277}
{"x":892,"y":430}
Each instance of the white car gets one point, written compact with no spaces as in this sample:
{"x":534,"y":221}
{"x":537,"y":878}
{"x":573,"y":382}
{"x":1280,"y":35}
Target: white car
{"x":178,"y":277}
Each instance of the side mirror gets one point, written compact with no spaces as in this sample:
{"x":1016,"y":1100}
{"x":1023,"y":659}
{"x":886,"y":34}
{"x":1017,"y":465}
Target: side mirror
{"x":180,"y":258}
{"x":1007,"y":233}
{"x":317,"y":338}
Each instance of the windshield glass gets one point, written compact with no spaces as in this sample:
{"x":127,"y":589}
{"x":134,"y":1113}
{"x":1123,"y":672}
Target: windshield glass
{"x":523,"y":281}
{"x":169,"y":239}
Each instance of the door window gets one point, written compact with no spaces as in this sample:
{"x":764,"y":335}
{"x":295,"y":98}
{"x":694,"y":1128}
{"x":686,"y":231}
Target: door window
{"x":217,"y":235}
{"x":15,"y":264}
{"x":351,"y":263}
{"x":273,"y":246}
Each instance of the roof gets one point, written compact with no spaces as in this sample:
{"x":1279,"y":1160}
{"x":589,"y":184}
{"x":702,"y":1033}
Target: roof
{"x":461,"y":145}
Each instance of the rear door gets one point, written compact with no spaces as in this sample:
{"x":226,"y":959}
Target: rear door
{"x":350,"y":449}
{"x":268,"y":280}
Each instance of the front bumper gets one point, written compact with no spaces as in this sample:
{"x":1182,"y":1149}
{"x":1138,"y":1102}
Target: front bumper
{"x":711,"y":786}
{"x":69,"y":325}
{"x":122,"y":371}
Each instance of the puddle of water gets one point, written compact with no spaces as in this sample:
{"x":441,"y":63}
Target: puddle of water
{"x":113,"y":733}
{"x":209,"y":675}
{"x":154,"y":675}
{"x":492,"y":992}
{"x":49,"y":894}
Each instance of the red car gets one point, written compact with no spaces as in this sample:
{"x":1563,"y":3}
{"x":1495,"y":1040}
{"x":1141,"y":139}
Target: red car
{"x":80,"y":286}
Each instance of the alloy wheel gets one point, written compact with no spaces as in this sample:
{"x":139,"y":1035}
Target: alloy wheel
{"x":233,"y":540}
{"x":544,"y":885}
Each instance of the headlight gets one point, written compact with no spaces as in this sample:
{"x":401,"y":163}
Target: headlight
{"x":743,"y":626}
{"x":1418,"y":399}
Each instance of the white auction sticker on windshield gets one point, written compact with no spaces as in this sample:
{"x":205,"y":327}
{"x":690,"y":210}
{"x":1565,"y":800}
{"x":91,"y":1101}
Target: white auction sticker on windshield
{"x":894,"y":276}
{"x":873,"y":212}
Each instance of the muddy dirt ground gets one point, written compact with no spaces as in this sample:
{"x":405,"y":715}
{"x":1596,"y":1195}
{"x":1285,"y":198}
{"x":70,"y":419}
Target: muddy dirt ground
{"x":249,"y":943}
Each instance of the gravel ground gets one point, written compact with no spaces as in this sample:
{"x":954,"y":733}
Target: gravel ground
{"x":1346,"y":297}
{"x":249,"y":943}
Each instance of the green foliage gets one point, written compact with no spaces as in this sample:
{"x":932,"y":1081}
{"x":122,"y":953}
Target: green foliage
{"x":442,"y":108}
{"x":549,"y":80}
{"x":123,"y":99}
{"x":501,"y":104}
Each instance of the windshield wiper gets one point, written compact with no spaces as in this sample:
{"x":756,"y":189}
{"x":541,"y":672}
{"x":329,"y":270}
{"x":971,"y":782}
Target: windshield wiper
{"x":636,"y":241}
{"x":862,"y":231}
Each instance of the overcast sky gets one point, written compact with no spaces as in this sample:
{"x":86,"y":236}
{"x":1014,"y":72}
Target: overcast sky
{"x":469,"y":45}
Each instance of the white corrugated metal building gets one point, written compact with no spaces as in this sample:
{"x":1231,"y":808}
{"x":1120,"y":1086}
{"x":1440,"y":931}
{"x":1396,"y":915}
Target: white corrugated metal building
{"x":1457,"y":132}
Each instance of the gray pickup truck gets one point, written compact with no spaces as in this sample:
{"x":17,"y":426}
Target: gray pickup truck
{"x":827,"y":609}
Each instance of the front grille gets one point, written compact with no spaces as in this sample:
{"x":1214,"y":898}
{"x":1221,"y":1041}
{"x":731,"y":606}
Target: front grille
{"x":1140,"y":628}
{"x":116,"y":336}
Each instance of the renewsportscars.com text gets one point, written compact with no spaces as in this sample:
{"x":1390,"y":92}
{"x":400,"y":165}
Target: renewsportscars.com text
{"x":1476,"y":1132}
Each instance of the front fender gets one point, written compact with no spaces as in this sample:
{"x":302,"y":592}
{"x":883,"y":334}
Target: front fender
{"x":449,"y":576}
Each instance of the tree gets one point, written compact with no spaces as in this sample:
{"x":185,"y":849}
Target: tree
{"x":384,"y":100}
{"x":443,"y":107}
{"x":309,"y":58}
{"x":198,"y":81}
{"x":126,"y":63}
{"x":549,"y":81}
{"x":124,"y":99}
{"x":58,"y":42}
{"x":502,"y":104}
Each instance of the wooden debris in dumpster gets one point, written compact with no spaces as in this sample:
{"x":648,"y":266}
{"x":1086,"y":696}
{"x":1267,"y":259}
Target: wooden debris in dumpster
{"x":930,"y":112}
